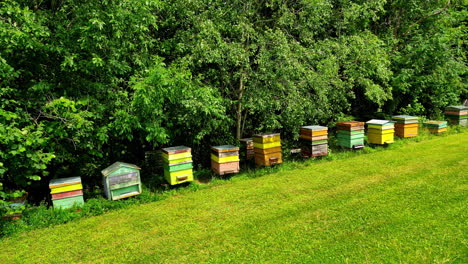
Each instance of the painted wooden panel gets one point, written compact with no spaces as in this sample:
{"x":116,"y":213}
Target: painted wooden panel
{"x":350,"y":143}
{"x":178,"y":167}
{"x":311,"y":133}
{"x":355,"y":128}
{"x":224,"y":159}
{"x":68,"y":202}
{"x":315,"y":151}
{"x":57,"y":196}
{"x":350,"y":137}
{"x":380,"y":132}
{"x":117,"y":179}
{"x":350,"y":124}
{"x":169,"y":157}
{"x":56,"y":183}
{"x":176,"y":150}
{"x":68,"y":188}
{"x":313,"y":138}
{"x":267,"y":151}
{"x":379,"y":122}
{"x":225,"y":168}
{"x":124,"y":184}
{"x":380,"y":139}
{"x":268,"y":159}
{"x":119,"y":168}
{"x":125,"y":191}
{"x":224,"y":148}
{"x":315,"y":142}
{"x":404,"y":117}
{"x":266,"y":140}
{"x":178,"y":161}
{"x":435,"y":124}
{"x":225,"y":154}
{"x":379,"y":127}
{"x":348,"y":132}
{"x":174,"y":179}
{"x":398,"y":125}
{"x":437,"y":130}
{"x":267,"y":145}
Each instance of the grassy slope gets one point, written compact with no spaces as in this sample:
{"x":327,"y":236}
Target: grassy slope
{"x":401,"y":205}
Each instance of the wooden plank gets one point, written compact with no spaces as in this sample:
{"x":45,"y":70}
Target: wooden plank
{"x":169,"y":157}
{"x":68,"y":202}
{"x":225,"y":154}
{"x":224,"y":148}
{"x":123,"y":185}
{"x":225,"y":168}
{"x":350,"y":124}
{"x":125,"y":191}
{"x":56,"y":183}
{"x":176,"y":150}
{"x":68,"y":188}
{"x":224,"y":159}
{"x":267,"y":151}
{"x":117,"y":179}
{"x":57,"y":196}
{"x":266,"y":140}
{"x":267,"y":145}
{"x":268,"y":159}
{"x":178,"y":167}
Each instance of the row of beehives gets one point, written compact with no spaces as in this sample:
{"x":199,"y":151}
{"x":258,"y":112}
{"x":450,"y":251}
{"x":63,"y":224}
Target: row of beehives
{"x":122,"y":180}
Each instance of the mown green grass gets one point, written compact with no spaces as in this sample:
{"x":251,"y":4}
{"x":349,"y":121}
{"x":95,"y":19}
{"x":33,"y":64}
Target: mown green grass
{"x":402,"y":205}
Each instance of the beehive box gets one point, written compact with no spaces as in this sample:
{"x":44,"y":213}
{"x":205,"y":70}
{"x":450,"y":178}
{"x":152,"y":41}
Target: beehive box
{"x":178,"y":166}
{"x":436,"y":127}
{"x":267,"y":149}
{"x":225,"y":159}
{"x":121,"y":180}
{"x":380,"y":131}
{"x":350,"y":134}
{"x":314,"y":141}
{"x":66,"y":192}
{"x":457,"y":115}
{"x":247,"y":149}
{"x":406,"y":126}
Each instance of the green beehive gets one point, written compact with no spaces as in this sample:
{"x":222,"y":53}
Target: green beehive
{"x":121,"y":180}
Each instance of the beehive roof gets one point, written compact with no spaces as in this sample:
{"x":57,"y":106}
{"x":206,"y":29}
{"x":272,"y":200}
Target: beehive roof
{"x":117,"y":165}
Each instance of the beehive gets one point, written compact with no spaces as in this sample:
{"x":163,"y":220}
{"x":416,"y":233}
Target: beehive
{"x":314,"y":141}
{"x":350,"y":134}
{"x":247,"y":149}
{"x":436,"y":127}
{"x":380,"y":131}
{"x":225,"y":159}
{"x":178,"y":166}
{"x":406,"y":126}
{"x":267,"y":149}
{"x":457,"y":115}
{"x":121,"y":180}
{"x":66,"y":192}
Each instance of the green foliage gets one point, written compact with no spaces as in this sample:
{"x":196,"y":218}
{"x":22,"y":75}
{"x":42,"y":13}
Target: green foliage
{"x":83,"y":83}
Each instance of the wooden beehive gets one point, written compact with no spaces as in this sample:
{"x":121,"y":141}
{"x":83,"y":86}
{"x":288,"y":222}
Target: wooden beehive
{"x":457,"y":115}
{"x":121,"y":180}
{"x":247,"y":148}
{"x":380,"y":131}
{"x":350,"y":134}
{"x":406,"y":126}
{"x":436,"y":127}
{"x":225,"y":159}
{"x":178,"y":167}
{"x":267,"y":148}
{"x":66,"y":192}
{"x":314,"y":141}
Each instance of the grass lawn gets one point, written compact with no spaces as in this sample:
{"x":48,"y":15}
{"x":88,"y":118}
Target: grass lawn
{"x":404,"y":205}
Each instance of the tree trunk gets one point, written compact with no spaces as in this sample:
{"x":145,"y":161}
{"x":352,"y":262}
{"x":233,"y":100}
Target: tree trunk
{"x":239,"y":107}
